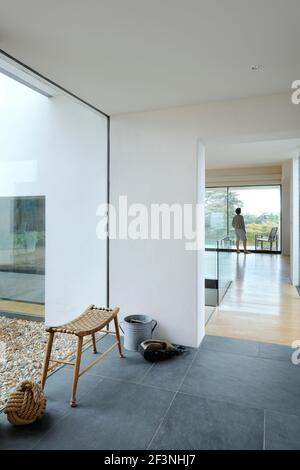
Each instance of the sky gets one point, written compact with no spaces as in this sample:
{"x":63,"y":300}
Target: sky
{"x":257,"y":201}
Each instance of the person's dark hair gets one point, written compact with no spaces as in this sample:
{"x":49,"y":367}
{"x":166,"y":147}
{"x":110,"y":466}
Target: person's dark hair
{"x":238,"y":211}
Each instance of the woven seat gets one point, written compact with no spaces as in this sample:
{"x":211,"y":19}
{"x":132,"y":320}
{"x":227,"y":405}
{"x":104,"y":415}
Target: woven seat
{"x":92,"y":320}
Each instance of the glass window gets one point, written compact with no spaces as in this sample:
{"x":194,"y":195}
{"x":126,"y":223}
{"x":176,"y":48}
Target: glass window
{"x":215,"y":215}
{"x":22,"y":249}
{"x":261,"y":208}
{"x":53,"y":176}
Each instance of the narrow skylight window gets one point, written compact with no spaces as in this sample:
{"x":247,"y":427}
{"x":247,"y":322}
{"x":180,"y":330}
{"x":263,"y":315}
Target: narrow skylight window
{"x":25,"y":77}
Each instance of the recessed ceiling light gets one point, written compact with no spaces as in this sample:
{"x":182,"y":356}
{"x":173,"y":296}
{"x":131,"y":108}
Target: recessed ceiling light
{"x":256,"y":67}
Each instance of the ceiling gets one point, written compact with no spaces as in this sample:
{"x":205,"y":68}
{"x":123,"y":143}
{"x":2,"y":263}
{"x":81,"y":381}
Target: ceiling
{"x":240,"y":155}
{"x":135,"y":55}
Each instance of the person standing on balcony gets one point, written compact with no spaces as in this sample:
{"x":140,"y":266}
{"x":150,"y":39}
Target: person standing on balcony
{"x":238,"y":224}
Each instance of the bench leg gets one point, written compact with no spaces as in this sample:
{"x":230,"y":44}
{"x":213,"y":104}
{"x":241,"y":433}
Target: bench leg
{"x":47,"y":359}
{"x":118,"y":336}
{"x":76,"y":371}
{"x":94,"y":343}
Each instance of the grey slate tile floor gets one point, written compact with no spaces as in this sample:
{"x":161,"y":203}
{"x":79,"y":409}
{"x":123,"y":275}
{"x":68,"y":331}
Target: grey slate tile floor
{"x":227,"y":394}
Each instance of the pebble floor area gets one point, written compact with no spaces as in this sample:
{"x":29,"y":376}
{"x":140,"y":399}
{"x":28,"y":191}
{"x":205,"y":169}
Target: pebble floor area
{"x":22,"y":348}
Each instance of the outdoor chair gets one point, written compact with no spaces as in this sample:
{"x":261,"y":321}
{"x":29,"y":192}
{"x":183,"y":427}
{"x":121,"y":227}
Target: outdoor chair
{"x":271,"y":239}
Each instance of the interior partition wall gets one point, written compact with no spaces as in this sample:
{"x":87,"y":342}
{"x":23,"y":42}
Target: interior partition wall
{"x":53,"y":177}
{"x":261,"y":208}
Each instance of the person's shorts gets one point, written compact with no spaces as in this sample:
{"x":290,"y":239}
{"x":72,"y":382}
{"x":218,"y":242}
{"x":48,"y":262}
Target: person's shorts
{"x":240,"y":234}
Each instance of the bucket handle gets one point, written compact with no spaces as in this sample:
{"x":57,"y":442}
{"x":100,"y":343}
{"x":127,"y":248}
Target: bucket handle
{"x":152,"y":321}
{"x":155,"y":325}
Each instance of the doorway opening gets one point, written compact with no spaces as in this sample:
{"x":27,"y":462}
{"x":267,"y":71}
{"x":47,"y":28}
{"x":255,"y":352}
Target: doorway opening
{"x":261,"y":208}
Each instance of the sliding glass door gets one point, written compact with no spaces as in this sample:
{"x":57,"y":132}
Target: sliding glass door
{"x":261,"y":208}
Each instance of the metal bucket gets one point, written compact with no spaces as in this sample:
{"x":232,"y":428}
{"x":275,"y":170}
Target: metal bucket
{"x":136,"y":329}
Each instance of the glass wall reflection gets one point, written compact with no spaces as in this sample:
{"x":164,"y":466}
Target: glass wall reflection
{"x":22,"y":249}
{"x":215,"y":215}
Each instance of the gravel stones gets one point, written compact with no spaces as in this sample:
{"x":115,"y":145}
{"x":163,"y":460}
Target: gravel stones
{"x":22,"y":348}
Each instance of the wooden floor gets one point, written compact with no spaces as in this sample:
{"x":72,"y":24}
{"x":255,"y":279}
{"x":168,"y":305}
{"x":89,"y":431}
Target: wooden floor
{"x":261,"y":303}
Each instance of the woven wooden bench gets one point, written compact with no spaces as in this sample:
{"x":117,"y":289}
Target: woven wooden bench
{"x":91,"y":321}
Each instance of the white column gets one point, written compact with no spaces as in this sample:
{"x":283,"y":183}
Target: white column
{"x":201,"y":241}
{"x":295,"y":222}
{"x":155,"y":161}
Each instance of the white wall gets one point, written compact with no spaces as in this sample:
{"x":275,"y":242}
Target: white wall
{"x":154,"y":159}
{"x":159,"y":278}
{"x":57,"y":148}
